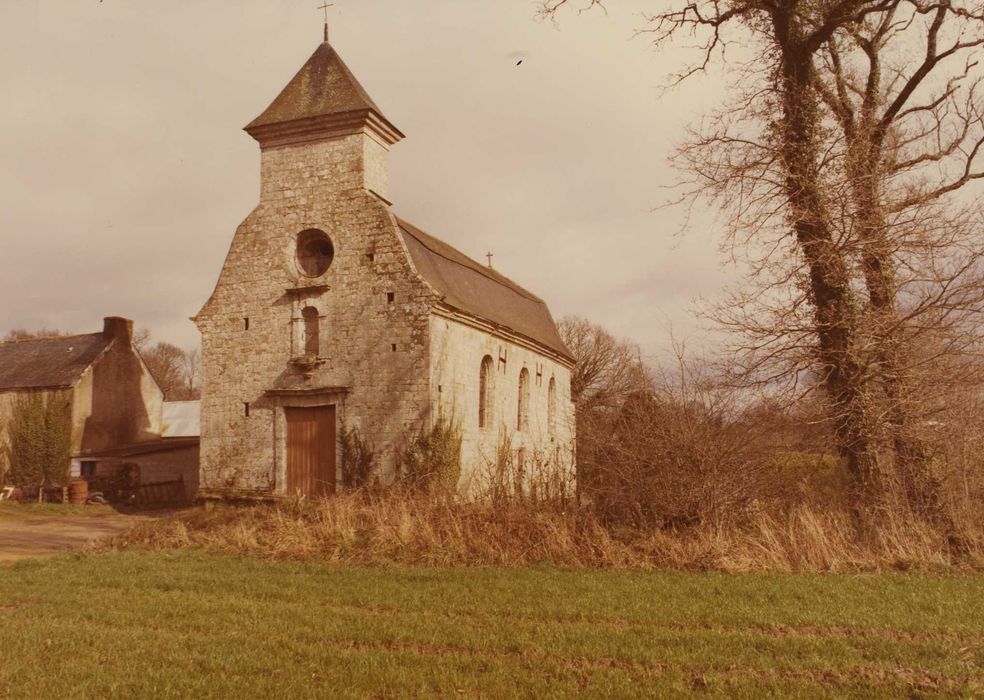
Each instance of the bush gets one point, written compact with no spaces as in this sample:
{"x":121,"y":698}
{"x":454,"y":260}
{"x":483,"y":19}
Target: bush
{"x":534,"y":476}
{"x":814,"y":479}
{"x":432,"y":456}
{"x":676,"y":460}
{"x":358,"y":458}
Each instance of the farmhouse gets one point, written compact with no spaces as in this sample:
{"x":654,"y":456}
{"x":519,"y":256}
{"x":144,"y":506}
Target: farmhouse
{"x":333,"y":315}
{"x":115,"y":406}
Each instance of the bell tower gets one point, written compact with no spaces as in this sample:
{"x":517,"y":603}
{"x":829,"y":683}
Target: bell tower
{"x":324,"y":102}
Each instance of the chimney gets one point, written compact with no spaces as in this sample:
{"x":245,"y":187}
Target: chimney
{"x":118,"y":328}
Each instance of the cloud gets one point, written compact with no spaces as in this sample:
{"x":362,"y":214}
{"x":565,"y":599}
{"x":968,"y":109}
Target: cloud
{"x":125,"y":170}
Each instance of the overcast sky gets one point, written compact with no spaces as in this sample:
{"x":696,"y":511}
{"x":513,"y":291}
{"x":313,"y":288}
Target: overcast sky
{"x":124,"y":169}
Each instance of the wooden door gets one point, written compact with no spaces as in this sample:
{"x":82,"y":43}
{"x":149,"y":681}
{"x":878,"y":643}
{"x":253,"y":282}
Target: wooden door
{"x":310,"y":451}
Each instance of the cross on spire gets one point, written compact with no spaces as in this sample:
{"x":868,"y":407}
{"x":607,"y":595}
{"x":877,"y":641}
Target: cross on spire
{"x":325,"y":8}
{"x":489,"y":256}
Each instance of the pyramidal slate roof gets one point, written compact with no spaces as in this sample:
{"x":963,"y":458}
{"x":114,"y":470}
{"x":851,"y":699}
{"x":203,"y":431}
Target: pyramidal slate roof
{"x":323,"y":87}
{"x":48,"y":363}
{"x":481,"y":291}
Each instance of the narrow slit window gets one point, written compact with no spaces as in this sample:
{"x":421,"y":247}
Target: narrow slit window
{"x":312,"y":323}
{"x":390,"y":297}
{"x":245,"y":409}
{"x":245,"y":323}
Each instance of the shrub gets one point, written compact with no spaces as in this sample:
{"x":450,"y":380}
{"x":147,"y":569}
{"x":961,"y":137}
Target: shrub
{"x":432,"y":456}
{"x":532,"y":475}
{"x":668,"y":462}
{"x":358,"y":458}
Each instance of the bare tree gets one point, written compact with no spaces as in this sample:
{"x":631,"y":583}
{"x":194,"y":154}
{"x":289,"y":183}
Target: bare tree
{"x":911,"y":129}
{"x":141,"y":339}
{"x":839,"y":166}
{"x":167,"y":363}
{"x":607,"y":373}
{"x":175,"y":370}
{"x":192,"y":373}
{"x":607,"y":370}
{"x":24,"y":334}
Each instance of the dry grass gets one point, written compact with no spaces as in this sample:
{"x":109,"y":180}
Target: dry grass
{"x":412,"y":529}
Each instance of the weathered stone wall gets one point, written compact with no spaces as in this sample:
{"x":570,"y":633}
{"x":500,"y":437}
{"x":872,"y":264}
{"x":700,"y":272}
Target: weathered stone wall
{"x":457,"y":350}
{"x":157,"y":463}
{"x":373,"y":352}
{"x":169,"y":465}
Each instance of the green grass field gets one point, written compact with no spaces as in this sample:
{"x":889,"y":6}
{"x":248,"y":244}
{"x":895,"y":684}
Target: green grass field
{"x":23,"y":511}
{"x":190,"y":624}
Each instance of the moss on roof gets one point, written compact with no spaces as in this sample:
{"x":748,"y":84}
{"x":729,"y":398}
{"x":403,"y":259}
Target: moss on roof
{"x":324,"y":85}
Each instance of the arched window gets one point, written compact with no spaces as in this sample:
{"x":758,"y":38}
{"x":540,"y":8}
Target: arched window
{"x":523,"y":409}
{"x":311,"y":331}
{"x":552,"y":407}
{"x":485,"y":378}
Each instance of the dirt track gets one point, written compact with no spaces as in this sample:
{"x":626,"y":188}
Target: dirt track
{"x":36,"y":536}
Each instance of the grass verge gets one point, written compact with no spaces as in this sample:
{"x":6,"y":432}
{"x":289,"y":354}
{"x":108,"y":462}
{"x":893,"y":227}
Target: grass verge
{"x":23,"y":511}
{"x":192,"y":624}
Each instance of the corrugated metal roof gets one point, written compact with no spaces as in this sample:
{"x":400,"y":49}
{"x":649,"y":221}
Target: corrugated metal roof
{"x":182,"y":419}
{"x":481,"y":291}
{"x":39,"y":363}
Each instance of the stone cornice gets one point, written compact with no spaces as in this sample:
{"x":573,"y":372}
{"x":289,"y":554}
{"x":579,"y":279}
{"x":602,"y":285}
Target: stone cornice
{"x":307,"y":290}
{"x":451,"y":313}
{"x":326,"y":126}
{"x":308,"y":391}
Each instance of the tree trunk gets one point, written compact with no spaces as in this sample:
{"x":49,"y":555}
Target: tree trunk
{"x":835,"y":308}
{"x":921,"y":488}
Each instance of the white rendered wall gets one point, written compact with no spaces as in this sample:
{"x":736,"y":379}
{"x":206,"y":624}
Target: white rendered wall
{"x":457,"y":351}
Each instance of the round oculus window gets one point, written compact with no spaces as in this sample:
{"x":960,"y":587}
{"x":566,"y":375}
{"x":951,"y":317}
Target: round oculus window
{"x":314,"y":252}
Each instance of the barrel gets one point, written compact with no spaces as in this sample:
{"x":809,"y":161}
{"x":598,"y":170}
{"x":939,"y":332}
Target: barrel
{"x":78,"y":492}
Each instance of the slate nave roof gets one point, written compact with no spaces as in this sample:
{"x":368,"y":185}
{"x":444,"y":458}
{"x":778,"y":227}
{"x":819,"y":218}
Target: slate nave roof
{"x":481,"y":291}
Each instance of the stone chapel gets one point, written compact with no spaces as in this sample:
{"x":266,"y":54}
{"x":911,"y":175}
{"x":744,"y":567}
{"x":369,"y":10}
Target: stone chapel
{"x":331,"y":313}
